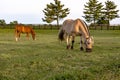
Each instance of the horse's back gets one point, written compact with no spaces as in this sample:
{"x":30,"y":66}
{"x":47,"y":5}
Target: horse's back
{"x":71,"y":26}
{"x":18,"y":26}
{"x":22,"y":28}
{"x":67,"y":22}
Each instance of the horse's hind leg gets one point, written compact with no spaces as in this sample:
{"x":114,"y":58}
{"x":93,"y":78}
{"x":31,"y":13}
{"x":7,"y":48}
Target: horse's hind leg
{"x":81,"y":44}
{"x":17,"y":36}
{"x":27,"y":36}
{"x":68,"y":42}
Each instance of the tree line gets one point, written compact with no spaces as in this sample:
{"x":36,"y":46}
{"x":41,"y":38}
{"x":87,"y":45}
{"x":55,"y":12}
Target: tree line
{"x":97,"y":13}
{"x":2,"y":22}
{"x":56,"y":27}
{"x":94,"y":12}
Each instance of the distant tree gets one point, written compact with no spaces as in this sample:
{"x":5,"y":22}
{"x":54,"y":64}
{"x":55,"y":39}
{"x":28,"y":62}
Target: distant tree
{"x":102,"y":20}
{"x":2,"y":22}
{"x":54,"y":11}
{"x":110,"y":11}
{"x":93,"y":11}
{"x":14,"y":22}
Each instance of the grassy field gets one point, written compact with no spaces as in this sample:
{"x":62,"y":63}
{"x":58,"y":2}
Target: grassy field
{"x":47,"y":59}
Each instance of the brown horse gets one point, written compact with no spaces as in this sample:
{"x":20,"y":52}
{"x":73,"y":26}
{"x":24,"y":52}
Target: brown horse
{"x":23,"y":29}
{"x":72,"y":28}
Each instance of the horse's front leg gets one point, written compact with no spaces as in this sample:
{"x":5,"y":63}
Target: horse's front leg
{"x":81,"y":44}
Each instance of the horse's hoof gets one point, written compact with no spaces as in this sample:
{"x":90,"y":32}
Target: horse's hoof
{"x":68,"y":47}
{"x":81,"y":49}
{"x":71,"y":47}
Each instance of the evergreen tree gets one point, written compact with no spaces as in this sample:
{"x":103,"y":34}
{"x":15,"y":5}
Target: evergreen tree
{"x":55,"y":11}
{"x":110,"y":11}
{"x":14,"y":22}
{"x":2,"y":22}
{"x":93,"y":11}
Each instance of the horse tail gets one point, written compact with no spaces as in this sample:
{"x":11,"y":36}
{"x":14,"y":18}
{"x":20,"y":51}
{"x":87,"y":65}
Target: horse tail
{"x":61,"y":34}
{"x":15,"y":28}
{"x":16,"y":33}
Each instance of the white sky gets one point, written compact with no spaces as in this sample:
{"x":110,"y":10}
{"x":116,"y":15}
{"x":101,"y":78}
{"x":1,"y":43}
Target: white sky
{"x":30,"y":11}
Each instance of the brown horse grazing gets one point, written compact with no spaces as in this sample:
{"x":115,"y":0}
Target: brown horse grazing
{"x":72,"y":28}
{"x":23,"y":29}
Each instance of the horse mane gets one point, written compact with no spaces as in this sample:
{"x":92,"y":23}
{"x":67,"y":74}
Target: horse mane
{"x":32,"y":31}
{"x":85,"y":26}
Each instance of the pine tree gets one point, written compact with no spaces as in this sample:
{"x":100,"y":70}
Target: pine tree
{"x":54,"y":11}
{"x":110,"y":11}
{"x":93,"y":10}
{"x":14,"y":22}
{"x":2,"y":22}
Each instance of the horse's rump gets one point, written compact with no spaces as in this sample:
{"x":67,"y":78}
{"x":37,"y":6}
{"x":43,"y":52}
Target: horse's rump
{"x":67,"y":25}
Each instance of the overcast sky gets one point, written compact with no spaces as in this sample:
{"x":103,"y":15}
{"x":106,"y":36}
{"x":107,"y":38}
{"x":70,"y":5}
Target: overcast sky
{"x":30,"y":11}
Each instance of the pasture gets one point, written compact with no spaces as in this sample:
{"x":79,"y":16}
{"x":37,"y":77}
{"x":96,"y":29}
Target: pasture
{"x":47,"y":59}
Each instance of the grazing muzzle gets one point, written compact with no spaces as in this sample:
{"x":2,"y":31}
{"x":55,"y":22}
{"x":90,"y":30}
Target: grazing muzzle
{"x":88,"y":50}
{"x":89,"y":44}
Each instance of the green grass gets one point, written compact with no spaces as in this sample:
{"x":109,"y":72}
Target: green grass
{"x":47,"y":58}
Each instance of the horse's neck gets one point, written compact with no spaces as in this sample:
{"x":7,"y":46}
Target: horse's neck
{"x":84,"y":34}
{"x":84,"y":30}
{"x":32,"y":31}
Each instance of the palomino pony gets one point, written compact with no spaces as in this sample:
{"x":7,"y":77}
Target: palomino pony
{"x":72,"y":28}
{"x":23,"y":29}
